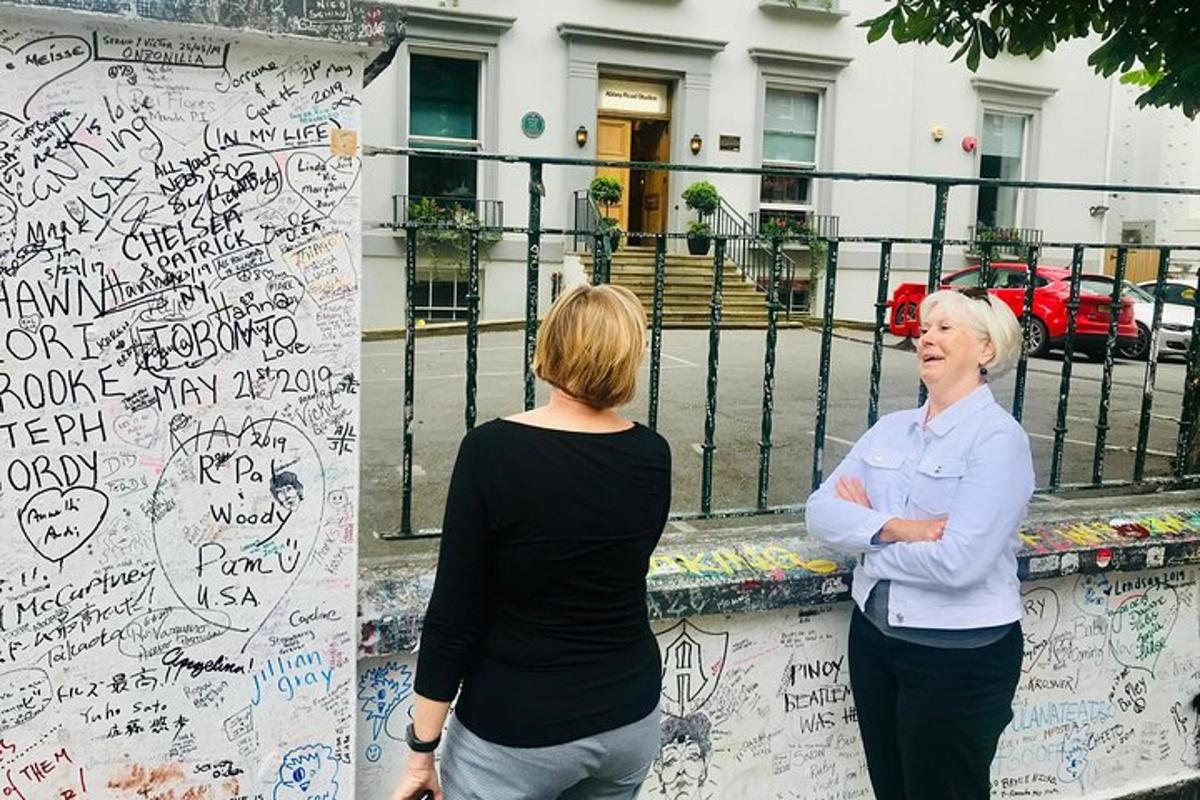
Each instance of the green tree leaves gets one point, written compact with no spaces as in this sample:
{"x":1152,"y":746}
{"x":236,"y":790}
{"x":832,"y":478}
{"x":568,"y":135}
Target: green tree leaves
{"x":1153,"y":43}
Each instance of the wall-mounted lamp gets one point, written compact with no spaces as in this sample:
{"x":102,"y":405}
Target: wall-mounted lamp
{"x":937,"y":132}
{"x":581,"y":136}
{"x":695,"y":144}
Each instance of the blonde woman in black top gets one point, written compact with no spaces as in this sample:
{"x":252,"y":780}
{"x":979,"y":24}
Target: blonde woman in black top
{"x":538,"y":619}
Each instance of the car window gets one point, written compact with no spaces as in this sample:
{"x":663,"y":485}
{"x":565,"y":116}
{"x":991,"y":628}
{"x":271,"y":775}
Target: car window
{"x":1179,"y":293}
{"x":1138,"y":294}
{"x":1013,"y":279}
{"x":964,"y":279}
{"x":1096,"y":285}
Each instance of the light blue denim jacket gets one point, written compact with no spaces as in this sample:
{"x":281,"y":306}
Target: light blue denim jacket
{"x":971,"y":465}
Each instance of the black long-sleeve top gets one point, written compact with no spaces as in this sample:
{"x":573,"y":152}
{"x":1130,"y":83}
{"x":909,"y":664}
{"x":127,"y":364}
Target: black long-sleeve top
{"x":539,"y":605}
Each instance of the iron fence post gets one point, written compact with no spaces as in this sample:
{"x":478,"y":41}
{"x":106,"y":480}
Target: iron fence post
{"x":472,"y":326}
{"x":1139,"y":458}
{"x":881,"y":306}
{"x":410,"y":353}
{"x":937,"y":249}
{"x":818,"y":463}
{"x":656,"y":323}
{"x":768,"y":398}
{"x":1191,"y":402}
{"x":1031,"y":262}
{"x":1109,"y":354}
{"x":710,"y":393}
{"x":1064,"y":386}
{"x":533,"y":260}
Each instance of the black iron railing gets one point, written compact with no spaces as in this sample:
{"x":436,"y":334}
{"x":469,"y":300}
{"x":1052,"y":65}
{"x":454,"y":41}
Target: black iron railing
{"x":1003,"y":242}
{"x":463,"y":211}
{"x":1182,"y":469}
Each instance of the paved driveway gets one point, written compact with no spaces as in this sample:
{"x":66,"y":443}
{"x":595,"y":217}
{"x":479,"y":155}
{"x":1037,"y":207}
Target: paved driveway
{"x":440,"y":403}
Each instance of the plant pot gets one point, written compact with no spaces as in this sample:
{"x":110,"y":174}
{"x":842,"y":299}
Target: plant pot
{"x":698,"y":245}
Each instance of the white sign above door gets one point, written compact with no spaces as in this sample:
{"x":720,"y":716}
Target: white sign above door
{"x":632,"y":96}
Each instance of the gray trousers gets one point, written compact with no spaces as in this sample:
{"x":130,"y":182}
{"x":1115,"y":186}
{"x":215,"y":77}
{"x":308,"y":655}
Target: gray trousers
{"x":607,"y":766}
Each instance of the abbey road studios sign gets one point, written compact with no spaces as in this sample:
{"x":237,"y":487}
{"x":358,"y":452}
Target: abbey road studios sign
{"x":632,"y":96}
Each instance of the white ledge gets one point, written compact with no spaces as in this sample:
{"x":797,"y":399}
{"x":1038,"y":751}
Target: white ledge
{"x":803,"y":9}
{"x":794,"y":58}
{"x":1008,"y":87}
{"x":443,"y":18}
{"x":592,"y":33}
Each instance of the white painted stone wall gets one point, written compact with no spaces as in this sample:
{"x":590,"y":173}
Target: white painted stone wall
{"x":179,"y":342}
{"x":1103,"y":707}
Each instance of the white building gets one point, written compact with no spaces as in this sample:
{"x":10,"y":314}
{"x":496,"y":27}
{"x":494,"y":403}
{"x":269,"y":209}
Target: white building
{"x":752,"y":83}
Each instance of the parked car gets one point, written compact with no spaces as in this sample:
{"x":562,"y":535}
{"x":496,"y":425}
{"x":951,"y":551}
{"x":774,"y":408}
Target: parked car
{"x":1176,"y":293}
{"x":1175,"y":327}
{"x":1048,"y":327}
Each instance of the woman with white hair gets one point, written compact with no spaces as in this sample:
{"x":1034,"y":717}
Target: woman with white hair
{"x":930,"y":500}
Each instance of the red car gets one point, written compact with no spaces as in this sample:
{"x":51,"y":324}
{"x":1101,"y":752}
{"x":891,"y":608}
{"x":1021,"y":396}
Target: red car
{"x":1048,"y":328}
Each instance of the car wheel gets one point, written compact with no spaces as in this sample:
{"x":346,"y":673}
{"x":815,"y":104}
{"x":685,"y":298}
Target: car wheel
{"x":1139,"y":350}
{"x":1037,"y":341}
{"x":906,"y":315}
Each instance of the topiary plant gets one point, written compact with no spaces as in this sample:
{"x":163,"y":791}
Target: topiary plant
{"x":702,"y":197}
{"x":606,"y":191}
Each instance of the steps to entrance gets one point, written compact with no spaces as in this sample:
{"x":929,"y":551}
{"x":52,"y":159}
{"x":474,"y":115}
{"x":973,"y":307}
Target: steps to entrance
{"x":687,"y":289}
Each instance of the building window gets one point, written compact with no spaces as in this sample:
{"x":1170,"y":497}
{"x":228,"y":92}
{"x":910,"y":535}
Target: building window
{"x":440,"y":298}
{"x":1001,"y":155}
{"x":443,"y":115}
{"x":790,"y":121}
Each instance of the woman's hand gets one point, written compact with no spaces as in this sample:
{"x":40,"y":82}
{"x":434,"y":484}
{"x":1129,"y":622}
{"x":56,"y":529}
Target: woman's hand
{"x":852,"y":490}
{"x":912,"y":530}
{"x":419,"y":780}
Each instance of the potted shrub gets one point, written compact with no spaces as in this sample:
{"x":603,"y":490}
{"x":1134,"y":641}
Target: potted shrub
{"x":606,"y":192}
{"x":701,"y":197}
{"x":699,"y":237}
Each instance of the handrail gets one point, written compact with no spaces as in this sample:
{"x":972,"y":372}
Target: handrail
{"x":751,"y":252}
{"x":586,"y":220}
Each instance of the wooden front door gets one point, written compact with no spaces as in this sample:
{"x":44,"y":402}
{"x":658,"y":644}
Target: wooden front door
{"x":1140,"y":265}
{"x":613,"y":138}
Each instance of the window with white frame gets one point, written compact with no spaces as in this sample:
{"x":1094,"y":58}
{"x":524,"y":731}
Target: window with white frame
{"x":440,"y":298}
{"x":1001,"y":155}
{"x":790,"y":123}
{"x":443,"y":115}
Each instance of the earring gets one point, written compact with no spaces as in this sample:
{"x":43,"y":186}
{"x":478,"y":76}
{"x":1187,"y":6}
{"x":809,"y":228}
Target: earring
{"x":983,"y":371}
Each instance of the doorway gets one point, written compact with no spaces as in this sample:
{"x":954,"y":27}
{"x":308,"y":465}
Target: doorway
{"x":648,"y":188}
{"x":633,"y":124}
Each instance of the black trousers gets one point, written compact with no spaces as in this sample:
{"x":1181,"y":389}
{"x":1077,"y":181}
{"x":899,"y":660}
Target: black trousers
{"x":930,"y":717}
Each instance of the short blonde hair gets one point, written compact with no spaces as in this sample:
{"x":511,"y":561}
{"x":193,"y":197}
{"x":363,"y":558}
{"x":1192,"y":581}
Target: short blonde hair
{"x":591,"y":344}
{"x":989,"y":317}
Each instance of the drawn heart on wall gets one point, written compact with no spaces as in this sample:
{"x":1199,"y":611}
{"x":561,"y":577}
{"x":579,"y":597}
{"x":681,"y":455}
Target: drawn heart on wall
{"x":236,"y":517}
{"x":139,"y":428}
{"x":1141,"y":626}
{"x":1038,"y":623}
{"x":39,"y":63}
{"x":56,"y":523}
{"x":322,"y":183}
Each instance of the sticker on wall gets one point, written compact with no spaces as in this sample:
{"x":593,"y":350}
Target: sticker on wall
{"x":343,"y":142}
{"x":1155,"y":557}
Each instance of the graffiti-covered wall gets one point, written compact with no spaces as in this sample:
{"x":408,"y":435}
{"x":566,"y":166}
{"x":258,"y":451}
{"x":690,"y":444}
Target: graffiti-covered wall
{"x":179,"y":243}
{"x":758,"y":705}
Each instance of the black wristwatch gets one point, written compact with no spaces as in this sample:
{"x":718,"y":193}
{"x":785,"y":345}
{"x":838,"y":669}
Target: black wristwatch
{"x":416,"y":745}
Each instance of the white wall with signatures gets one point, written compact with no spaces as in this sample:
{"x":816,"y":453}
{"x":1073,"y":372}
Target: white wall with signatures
{"x":759,"y":706}
{"x":179,"y":250}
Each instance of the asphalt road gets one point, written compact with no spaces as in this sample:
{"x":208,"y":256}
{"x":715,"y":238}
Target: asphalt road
{"x":440,"y":402}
